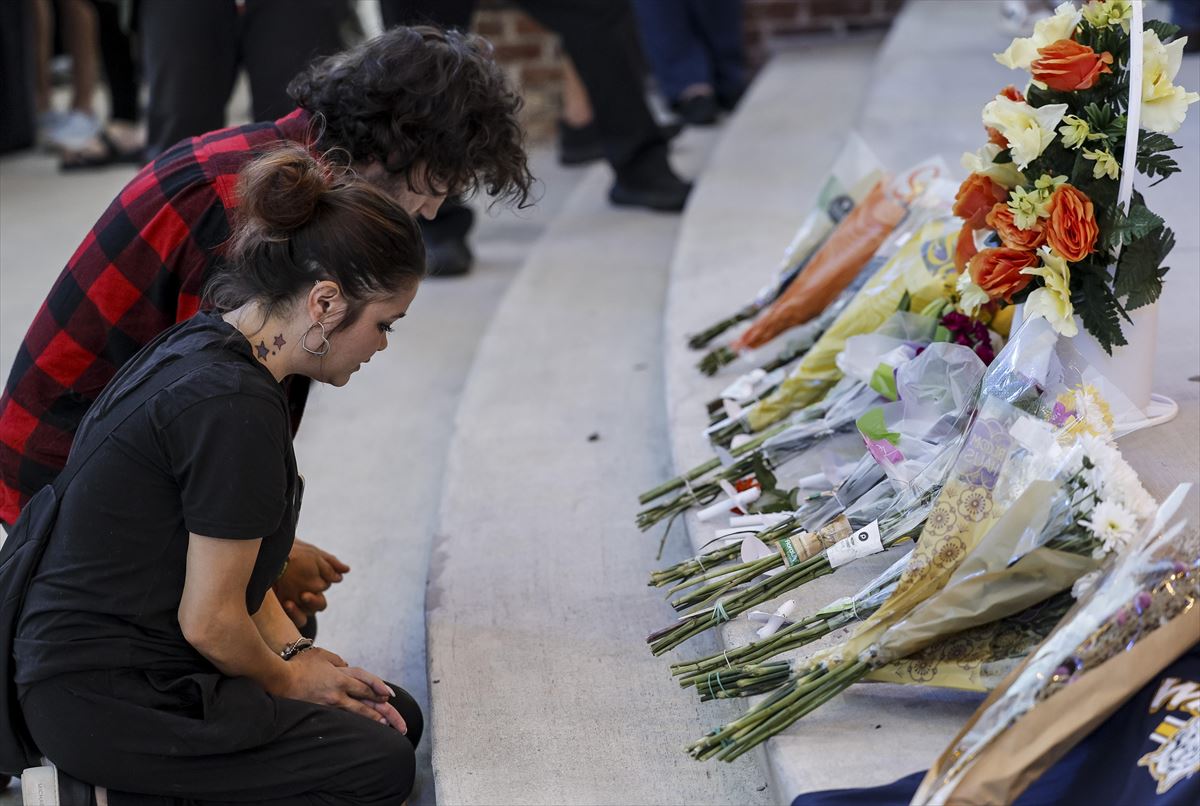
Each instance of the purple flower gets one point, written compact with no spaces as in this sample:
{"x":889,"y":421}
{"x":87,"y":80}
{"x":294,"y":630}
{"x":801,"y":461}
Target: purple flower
{"x":1142,"y":601}
{"x":883,"y":451}
{"x":1060,"y":415}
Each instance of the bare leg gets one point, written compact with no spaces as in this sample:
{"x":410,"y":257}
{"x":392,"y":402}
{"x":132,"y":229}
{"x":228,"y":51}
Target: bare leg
{"x":44,"y":34}
{"x":577,"y":106}
{"x":82,"y":39}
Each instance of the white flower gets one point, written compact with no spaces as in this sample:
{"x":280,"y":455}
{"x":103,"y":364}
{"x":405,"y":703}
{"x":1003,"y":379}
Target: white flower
{"x":1053,"y":301}
{"x":970,"y":296}
{"x":1022,"y":52}
{"x":1113,"y":525}
{"x":1164,"y":105}
{"x":1084,"y":584}
{"x":983,"y":162}
{"x":1027,"y":129}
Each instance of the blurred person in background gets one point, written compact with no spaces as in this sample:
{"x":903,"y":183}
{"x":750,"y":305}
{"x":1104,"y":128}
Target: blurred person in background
{"x":695,"y":50}
{"x":418,"y":112}
{"x":191,"y":53}
{"x":121,"y":140}
{"x":77,"y":24}
{"x":595,"y":35}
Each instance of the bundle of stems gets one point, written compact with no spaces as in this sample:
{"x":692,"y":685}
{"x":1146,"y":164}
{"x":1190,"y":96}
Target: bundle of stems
{"x":703,"y":563}
{"x":746,"y":681}
{"x":894,"y":526}
{"x":699,"y":341}
{"x":769,"y":588}
{"x":800,"y":696}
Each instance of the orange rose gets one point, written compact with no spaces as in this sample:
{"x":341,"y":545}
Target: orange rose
{"x":1067,"y":66}
{"x":994,"y":136}
{"x":1001,"y":219}
{"x":997,"y":270}
{"x":975,"y":198}
{"x":964,"y":248}
{"x":1071,"y":228}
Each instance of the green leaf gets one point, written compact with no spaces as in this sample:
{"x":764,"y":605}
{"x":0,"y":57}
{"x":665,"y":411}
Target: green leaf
{"x":1004,"y":157}
{"x":872,"y":426}
{"x":883,"y":381}
{"x":1138,"y":224}
{"x":1154,"y":142}
{"x":766,"y":479}
{"x":1140,"y":270}
{"x":1151,"y":159}
{"x":1098,"y":308}
{"x":1165,"y":30}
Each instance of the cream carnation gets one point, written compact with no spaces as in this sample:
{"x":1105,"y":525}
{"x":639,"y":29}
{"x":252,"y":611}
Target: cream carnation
{"x":1164,"y":105}
{"x":1027,"y":129}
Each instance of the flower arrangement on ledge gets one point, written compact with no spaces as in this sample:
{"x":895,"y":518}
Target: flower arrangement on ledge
{"x":1042,"y":223}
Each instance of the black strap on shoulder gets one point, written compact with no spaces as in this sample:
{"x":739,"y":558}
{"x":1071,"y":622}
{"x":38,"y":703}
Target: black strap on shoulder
{"x":123,"y":408}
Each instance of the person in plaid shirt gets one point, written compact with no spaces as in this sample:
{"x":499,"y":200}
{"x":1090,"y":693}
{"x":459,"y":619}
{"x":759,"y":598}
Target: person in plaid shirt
{"x":418,"y":112}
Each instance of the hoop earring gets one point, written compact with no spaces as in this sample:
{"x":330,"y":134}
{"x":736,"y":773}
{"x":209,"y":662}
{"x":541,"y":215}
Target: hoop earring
{"x":324,"y":341}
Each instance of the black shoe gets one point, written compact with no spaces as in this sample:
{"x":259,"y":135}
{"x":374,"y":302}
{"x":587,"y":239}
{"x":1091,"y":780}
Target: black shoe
{"x":698,"y":110}
{"x":729,"y":99}
{"x":670,"y":130}
{"x":649,"y":182}
{"x":448,"y":258}
{"x":579,"y":145}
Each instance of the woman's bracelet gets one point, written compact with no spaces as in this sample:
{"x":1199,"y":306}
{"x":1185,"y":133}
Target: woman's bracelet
{"x":295,"y":648}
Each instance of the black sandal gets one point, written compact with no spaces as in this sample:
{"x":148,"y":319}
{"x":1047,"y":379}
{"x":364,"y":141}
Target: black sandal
{"x":112,"y":155}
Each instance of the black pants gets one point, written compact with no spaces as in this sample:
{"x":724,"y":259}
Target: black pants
{"x":120,"y":68}
{"x":598,"y":36}
{"x":210,"y":739}
{"x":192,"y":51}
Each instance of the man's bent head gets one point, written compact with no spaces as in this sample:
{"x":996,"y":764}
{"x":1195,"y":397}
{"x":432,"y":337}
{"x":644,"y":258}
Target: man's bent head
{"x":421,"y":109}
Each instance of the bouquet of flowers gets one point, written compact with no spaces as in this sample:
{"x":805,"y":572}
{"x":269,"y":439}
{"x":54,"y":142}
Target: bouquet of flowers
{"x":843,"y":255}
{"x":968,"y":568}
{"x":854,"y":173}
{"x":1131,"y":623}
{"x":1049,"y":215}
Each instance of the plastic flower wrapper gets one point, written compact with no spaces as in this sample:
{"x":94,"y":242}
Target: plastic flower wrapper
{"x":843,"y":255}
{"x":923,"y":270}
{"x":895,"y":344}
{"x":937,"y":389}
{"x":854,"y":173}
{"x":991,"y":473}
{"x":1136,"y":619}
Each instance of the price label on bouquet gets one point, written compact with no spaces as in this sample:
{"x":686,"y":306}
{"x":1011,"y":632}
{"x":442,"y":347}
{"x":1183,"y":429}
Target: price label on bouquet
{"x":862,"y":543}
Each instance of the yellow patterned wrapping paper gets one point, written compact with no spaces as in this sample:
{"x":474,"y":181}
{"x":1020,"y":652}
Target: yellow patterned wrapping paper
{"x":923,"y":268}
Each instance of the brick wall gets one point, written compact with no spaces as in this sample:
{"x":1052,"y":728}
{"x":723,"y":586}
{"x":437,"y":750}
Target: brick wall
{"x":533,"y":57}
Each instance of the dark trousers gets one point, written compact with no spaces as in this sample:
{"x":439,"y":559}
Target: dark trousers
{"x":192,"y":51}
{"x":210,"y":739}
{"x":693,"y":42}
{"x":120,"y":69}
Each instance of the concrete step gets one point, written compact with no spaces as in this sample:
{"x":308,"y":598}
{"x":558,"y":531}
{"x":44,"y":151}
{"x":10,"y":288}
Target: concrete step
{"x":543,"y":691}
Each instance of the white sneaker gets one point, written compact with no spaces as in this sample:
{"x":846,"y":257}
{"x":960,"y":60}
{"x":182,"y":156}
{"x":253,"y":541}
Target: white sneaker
{"x":74,"y":131}
{"x":46,"y":786}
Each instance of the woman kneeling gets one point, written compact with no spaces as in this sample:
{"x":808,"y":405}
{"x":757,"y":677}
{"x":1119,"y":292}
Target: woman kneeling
{"x":152,"y":658}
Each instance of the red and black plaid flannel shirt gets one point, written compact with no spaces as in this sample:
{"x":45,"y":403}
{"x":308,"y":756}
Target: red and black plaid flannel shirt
{"x":140,"y":270}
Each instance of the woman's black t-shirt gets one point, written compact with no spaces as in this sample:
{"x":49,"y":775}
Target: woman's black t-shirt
{"x":209,"y":454}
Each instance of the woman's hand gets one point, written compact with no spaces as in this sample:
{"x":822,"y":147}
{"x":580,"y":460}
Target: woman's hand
{"x":310,"y":572}
{"x":314,"y":677}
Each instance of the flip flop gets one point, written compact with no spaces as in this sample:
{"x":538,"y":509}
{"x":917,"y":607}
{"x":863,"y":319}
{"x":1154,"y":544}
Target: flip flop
{"x":112,"y":155}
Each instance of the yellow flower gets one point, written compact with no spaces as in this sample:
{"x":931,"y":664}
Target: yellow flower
{"x":1075,"y":132}
{"x":1028,"y":206}
{"x":1164,"y":105}
{"x":1106,"y":163}
{"x":1052,"y":301}
{"x":1028,"y":129}
{"x":1022,"y":52}
{"x":983,"y":162}
{"x":1108,"y":12}
{"x":1048,"y":183}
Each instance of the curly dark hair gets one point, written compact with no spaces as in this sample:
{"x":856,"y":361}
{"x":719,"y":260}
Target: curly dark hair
{"x":421,"y":96}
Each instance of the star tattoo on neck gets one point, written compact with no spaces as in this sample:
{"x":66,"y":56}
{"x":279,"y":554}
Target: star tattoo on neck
{"x":279,"y":342}
{"x":262,"y":351}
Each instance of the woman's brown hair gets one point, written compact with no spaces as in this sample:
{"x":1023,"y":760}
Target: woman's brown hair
{"x":300,"y":220}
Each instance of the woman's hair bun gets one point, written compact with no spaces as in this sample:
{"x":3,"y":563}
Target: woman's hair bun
{"x":280,"y":190}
